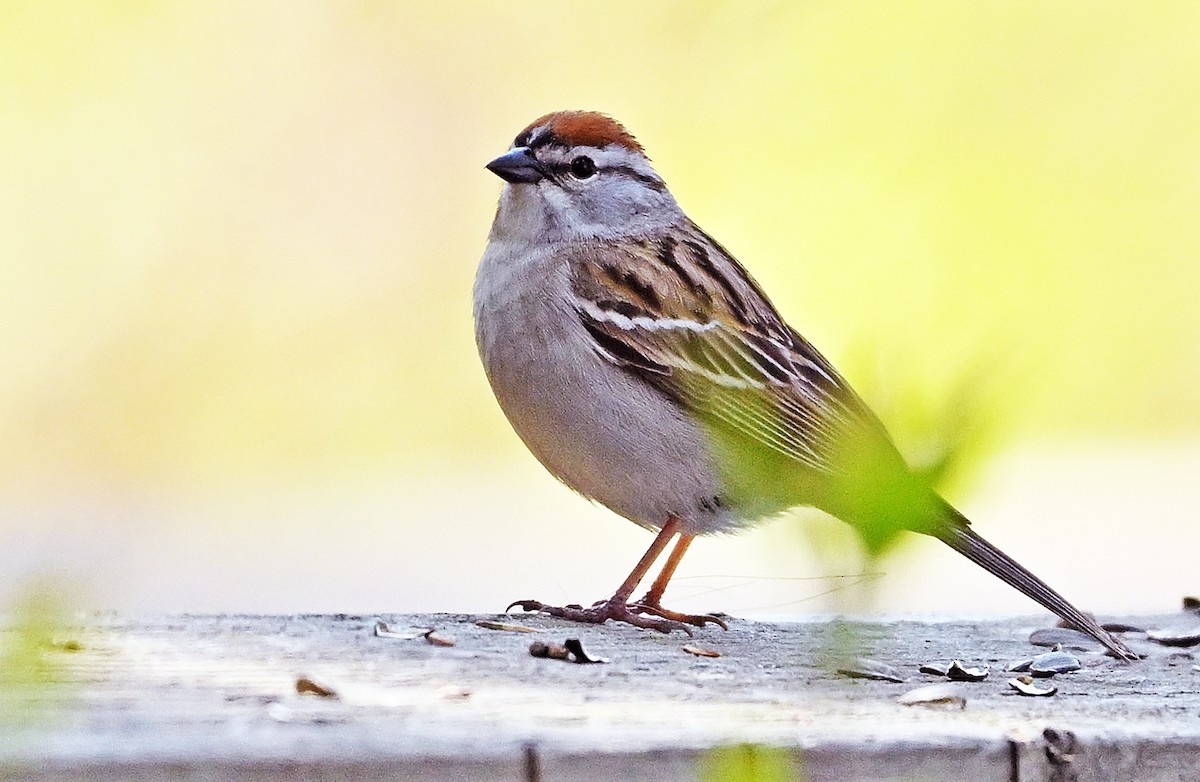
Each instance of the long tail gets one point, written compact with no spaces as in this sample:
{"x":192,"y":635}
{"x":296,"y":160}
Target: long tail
{"x":959,"y":536}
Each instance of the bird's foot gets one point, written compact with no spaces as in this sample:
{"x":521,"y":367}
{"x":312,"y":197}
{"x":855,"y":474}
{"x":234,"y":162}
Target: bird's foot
{"x":616,"y":610}
{"x":649,"y":605}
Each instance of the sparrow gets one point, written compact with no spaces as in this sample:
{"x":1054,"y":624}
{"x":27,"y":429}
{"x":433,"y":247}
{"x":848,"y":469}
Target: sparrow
{"x":645,"y":368}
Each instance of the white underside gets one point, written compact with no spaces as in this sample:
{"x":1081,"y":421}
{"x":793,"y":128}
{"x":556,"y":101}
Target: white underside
{"x":603,"y":432}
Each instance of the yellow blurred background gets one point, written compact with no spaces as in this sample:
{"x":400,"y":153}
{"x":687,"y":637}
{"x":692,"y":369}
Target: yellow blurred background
{"x":237,"y":243}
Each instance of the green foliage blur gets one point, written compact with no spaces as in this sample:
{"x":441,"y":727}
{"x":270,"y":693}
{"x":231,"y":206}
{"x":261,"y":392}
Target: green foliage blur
{"x":31,"y":646}
{"x":750,"y":763}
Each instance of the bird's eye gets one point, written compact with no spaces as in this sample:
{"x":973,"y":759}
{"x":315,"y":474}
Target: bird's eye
{"x":583,"y":167}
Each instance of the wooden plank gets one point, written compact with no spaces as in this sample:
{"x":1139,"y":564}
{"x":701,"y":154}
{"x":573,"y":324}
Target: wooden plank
{"x":214,"y":697}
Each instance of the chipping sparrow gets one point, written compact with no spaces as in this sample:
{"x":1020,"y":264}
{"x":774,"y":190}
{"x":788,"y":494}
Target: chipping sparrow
{"x":644,"y":368}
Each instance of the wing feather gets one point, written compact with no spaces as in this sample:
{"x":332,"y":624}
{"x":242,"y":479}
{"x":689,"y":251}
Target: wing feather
{"x":701,"y":330}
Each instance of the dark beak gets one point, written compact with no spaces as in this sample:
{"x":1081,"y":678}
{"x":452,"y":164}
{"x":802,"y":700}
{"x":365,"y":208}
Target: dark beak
{"x":517,"y":165}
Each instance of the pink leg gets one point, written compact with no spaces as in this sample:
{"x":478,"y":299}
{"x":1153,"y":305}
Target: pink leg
{"x":617,"y":607}
{"x":651,"y":601}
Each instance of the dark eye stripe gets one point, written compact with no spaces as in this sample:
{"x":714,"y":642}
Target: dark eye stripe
{"x":654,"y":183}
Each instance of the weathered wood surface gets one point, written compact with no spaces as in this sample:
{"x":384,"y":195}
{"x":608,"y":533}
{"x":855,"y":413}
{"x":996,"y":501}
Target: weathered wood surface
{"x":214,"y":697}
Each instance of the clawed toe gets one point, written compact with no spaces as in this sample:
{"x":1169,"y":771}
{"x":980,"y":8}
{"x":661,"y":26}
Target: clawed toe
{"x":573,"y":612}
{"x":525,"y":605}
{"x":697,"y":620}
{"x":661,"y":624}
{"x":618,"y":611}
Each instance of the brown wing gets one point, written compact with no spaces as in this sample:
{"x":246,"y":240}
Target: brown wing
{"x":683,"y":314}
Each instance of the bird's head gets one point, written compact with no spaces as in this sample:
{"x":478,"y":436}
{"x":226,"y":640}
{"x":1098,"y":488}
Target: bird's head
{"x":578,"y":175}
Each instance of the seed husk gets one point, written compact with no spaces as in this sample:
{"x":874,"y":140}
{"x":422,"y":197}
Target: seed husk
{"x":1026,"y":686}
{"x":506,"y":627}
{"x":580,"y":655}
{"x":941,"y":694}
{"x":384,"y":630}
{"x":1051,"y":663}
{"x":306,"y":686}
{"x":700,"y":651}
{"x":438,"y":640}
{"x":864,"y":668}
{"x":960,"y":673}
{"x":1189,"y":637}
{"x":571,"y":650}
{"x":551,"y":651}
{"x":1070,"y":639}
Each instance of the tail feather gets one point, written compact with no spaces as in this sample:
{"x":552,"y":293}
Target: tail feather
{"x":960,"y":537}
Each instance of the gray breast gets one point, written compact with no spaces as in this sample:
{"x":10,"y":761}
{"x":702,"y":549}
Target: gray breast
{"x":601,"y":431}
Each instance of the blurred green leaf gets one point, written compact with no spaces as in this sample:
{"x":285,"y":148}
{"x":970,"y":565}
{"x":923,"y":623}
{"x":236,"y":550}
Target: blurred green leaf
{"x":30,"y":639}
{"x":946,"y":422}
{"x":751,"y":763}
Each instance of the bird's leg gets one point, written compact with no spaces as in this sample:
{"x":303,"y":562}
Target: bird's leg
{"x":617,"y":607}
{"x":651,"y":601}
